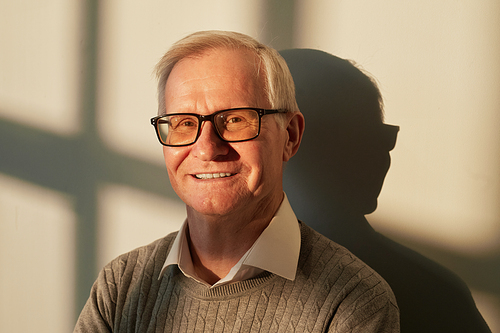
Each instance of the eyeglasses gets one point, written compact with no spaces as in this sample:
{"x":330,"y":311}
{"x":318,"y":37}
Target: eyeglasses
{"x":390,"y":137}
{"x":231,"y":125}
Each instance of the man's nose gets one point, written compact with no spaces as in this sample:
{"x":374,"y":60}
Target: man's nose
{"x":209,"y":145}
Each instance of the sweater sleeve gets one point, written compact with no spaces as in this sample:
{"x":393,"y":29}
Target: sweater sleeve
{"x":374,"y":310}
{"x":380,"y":319}
{"x":99,"y":311}
{"x":103,"y":311}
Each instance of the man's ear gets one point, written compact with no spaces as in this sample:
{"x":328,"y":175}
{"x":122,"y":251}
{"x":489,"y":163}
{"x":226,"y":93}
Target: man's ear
{"x":295,"y":129}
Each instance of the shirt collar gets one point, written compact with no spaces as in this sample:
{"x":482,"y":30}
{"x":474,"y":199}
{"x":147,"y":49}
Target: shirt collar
{"x":276,"y":250}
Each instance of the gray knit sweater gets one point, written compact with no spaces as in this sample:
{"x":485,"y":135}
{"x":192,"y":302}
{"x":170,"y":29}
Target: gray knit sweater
{"x":333,"y":292}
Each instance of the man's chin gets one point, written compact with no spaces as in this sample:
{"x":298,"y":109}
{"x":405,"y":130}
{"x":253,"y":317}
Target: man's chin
{"x":212,"y":207}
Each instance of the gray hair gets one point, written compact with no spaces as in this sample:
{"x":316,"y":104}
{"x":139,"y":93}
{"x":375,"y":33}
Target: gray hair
{"x":278,"y":82}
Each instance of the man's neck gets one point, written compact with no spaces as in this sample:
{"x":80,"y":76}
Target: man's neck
{"x":217,"y":243}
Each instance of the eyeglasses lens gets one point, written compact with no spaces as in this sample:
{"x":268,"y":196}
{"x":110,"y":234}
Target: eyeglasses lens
{"x":237,"y":125}
{"x":231,"y":125}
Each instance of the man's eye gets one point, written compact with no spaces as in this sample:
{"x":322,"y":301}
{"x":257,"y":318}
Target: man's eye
{"x":178,"y":123}
{"x":187,"y":123}
{"x":234,"y":120}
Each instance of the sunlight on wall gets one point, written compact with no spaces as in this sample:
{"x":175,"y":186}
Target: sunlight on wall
{"x":39,"y":64}
{"x":489,"y":307}
{"x":134,"y":37}
{"x":440,"y":76}
{"x":129,"y":218}
{"x":37,"y":230}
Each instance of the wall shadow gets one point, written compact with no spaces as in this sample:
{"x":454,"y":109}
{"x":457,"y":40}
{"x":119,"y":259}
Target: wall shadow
{"x":78,"y":165}
{"x":336,"y":177}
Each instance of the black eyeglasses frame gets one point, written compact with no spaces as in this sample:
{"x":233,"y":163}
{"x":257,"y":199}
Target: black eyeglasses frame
{"x":210,"y":117}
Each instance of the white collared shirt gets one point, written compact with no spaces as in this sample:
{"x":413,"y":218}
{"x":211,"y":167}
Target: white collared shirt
{"x":276,"y":250}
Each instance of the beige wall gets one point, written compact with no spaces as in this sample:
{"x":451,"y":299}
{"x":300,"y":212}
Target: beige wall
{"x":437,"y":64}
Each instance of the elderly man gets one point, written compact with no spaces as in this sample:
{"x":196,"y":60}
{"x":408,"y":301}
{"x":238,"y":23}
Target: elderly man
{"x":241,"y":261}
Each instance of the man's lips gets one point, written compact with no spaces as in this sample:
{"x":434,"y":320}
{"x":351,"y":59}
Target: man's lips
{"x":212,"y":175}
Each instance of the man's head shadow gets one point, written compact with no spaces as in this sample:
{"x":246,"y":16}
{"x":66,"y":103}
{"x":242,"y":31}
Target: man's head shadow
{"x":345,"y":134}
{"x":335,"y":180}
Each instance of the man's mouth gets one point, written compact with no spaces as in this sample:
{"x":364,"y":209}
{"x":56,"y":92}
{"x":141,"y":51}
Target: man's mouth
{"x":212,"y":175}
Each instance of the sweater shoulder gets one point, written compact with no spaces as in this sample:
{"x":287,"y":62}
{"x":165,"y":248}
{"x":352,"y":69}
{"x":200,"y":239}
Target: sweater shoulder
{"x":147,"y":257}
{"x":316,"y":248}
{"x":323,"y":260}
{"x":115,"y":289}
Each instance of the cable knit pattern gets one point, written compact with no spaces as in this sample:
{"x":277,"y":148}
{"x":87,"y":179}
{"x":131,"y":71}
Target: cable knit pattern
{"x":333,"y":292}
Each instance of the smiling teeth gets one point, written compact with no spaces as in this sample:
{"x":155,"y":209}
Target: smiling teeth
{"x":212,"y":175}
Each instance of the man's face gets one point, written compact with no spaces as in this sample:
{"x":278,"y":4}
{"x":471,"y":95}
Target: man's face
{"x":243,"y":177}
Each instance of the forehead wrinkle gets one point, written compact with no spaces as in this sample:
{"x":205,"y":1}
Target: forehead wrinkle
{"x":238,"y":87}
